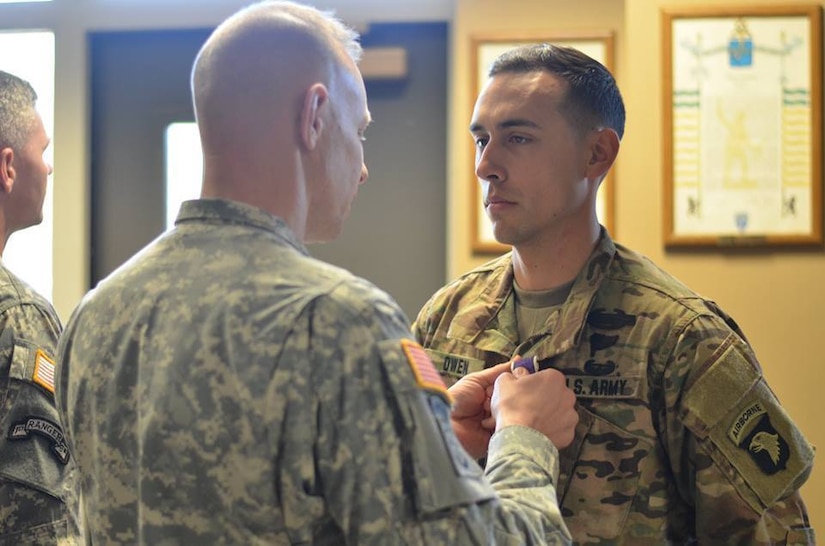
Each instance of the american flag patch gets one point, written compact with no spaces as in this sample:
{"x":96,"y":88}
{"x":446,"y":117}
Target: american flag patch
{"x":43,"y":371}
{"x":426,"y":376}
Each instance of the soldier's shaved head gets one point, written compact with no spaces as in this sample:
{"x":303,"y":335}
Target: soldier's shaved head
{"x":262,"y":85}
{"x":263,"y":58}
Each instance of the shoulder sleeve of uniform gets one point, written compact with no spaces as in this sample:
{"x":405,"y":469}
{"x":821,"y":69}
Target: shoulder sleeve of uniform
{"x":33,"y":447}
{"x":28,"y":342}
{"x":36,"y":323}
{"x":391,"y":402}
{"x":750,"y":457}
{"x":35,"y":469}
{"x":522,"y":465}
{"x":419,"y":325}
{"x":431,"y":315}
{"x":363,"y":301}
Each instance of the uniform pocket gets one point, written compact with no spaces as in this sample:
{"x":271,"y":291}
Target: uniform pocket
{"x":604,"y":479}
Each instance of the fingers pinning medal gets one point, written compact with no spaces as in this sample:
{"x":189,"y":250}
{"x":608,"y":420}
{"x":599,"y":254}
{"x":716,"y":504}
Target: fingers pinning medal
{"x":524,"y":366}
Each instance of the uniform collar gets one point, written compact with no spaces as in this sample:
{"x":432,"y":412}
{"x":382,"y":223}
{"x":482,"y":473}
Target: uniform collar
{"x":222,"y":211}
{"x":567,"y":326}
{"x":489,"y":322}
{"x":478,"y":323}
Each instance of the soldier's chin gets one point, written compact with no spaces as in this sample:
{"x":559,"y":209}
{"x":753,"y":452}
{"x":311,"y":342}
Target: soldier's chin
{"x":36,"y":220}
{"x":503,"y":238}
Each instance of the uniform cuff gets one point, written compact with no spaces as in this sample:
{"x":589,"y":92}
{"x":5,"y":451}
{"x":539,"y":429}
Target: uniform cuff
{"x":525,"y":442}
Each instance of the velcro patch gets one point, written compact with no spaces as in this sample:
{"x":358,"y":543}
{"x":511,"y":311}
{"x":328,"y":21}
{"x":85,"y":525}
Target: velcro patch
{"x":45,"y":428}
{"x":426,"y":376}
{"x":43,"y":371}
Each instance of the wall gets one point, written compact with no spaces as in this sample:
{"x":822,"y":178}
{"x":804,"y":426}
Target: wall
{"x":776,"y":297}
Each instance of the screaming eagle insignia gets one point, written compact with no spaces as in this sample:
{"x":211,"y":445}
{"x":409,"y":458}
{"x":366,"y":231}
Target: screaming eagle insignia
{"x":764,"y":441}
{"x":752,"y":431}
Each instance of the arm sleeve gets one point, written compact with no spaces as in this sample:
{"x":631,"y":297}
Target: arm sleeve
{"x":388,"y":464}
{"x":35,"y":474}
{"x":515,"y":456}
{"x":739,"y":459}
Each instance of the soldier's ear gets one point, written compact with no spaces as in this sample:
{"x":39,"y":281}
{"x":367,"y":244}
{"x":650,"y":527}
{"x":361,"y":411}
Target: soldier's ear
{"x":7,"y":172}
{"x":604,"y":147}
{"x":312,"y":123}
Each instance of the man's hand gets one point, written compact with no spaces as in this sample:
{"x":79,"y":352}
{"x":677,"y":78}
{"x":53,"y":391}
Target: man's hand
{"x":471,"y":415}
{"x":540,"y":400}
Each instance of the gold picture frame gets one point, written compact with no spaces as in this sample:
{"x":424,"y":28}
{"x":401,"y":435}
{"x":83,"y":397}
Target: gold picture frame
{"x":742,"y":126}
{"x":484,"y":49}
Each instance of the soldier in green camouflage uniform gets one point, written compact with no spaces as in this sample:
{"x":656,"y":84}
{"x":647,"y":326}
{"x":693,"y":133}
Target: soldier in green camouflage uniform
{"x":223,"y":387}
{"x":680,"y":439}
{"x":36,"y":469}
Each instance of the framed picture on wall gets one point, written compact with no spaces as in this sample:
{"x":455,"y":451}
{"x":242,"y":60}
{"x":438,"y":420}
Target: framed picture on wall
{"x":742,"y":126}
{"x":484,"y":50}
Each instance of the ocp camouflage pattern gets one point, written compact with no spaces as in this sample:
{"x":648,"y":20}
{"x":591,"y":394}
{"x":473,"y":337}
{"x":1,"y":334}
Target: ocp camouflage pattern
{"x":223,"y":387}
{"x":680,"y":439}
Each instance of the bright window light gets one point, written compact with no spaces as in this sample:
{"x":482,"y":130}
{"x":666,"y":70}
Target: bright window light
{"x":184,"y":167}
{"x":22,"y":1}
{"x":29,"y":251}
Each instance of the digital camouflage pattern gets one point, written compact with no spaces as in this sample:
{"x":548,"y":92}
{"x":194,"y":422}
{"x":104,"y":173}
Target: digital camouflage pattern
{"x":223,"y":387}
{"x":680,"y":439}
{"x":36,"y":480}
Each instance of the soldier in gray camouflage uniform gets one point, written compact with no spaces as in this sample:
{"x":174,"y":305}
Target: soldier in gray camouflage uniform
{"x":223,"y":387}
{"x":35,"y":466}
{"x":680,"y":439}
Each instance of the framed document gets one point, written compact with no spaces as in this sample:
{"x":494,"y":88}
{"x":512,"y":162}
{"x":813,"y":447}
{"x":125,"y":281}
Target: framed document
{"x":742,"y":126}
{"x":484,"y":51}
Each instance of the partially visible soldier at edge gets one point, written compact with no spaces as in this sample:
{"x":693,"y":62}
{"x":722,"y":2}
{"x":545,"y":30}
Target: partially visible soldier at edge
{"x":680,"y":439}
{"x":36,"y":468}
{"x":223,"y":387}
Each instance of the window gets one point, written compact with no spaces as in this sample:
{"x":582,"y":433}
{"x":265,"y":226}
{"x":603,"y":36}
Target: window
{"x":29,"y":252}
{"x":184,"y":167}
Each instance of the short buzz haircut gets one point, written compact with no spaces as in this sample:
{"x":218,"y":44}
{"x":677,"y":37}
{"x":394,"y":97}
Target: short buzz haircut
{"x":17,"y":110}
{"x":592,"y":99}
{"x":267,"y":34}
